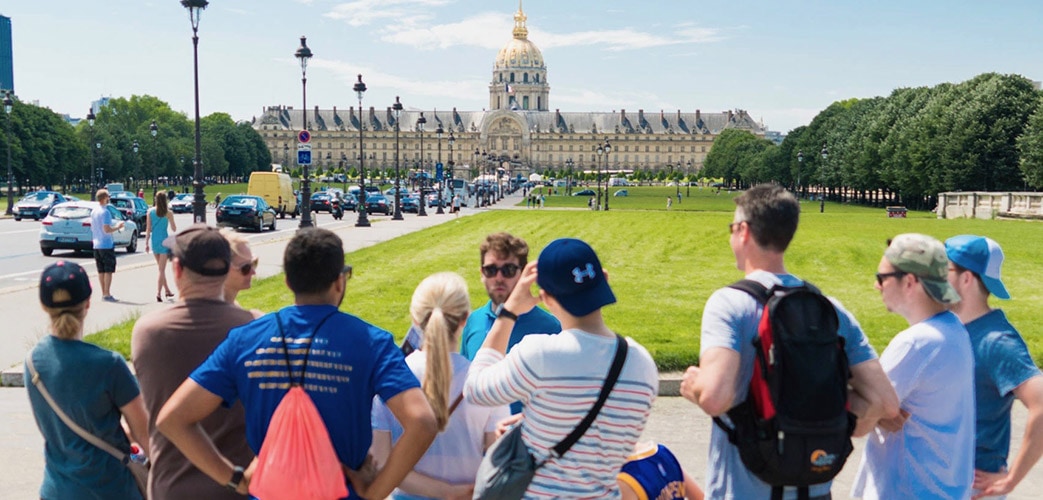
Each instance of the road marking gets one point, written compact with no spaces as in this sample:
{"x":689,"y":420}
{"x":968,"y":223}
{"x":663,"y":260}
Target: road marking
{"x":37,"y":230}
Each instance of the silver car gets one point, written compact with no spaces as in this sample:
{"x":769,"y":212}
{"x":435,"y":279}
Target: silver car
{"x":68,"y":227}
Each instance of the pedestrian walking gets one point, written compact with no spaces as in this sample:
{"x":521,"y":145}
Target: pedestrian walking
{"x":159,"y":223}
{"x":669,"y":202}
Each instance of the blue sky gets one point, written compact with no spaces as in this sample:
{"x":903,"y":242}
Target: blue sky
{"x":781,"y":61}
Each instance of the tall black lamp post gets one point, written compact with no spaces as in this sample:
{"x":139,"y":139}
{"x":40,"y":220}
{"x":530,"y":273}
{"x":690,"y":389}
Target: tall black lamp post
{"x":438,"y":133}
{"x":10,"y":172}
{"x":363,"y":220}
{"x":420,"y":122}
{"x":303,"y":54}
{"x":677,"y":181}
{"x":94,"y":179}
{"x":153,"y":130}
{"x":597,"y":177}
{"x":568,"y":176}
{"x":800,"y":161}
{"x":608,"y":150}
{"x":452,"y":164}
{"x":397,"y":110}
{"x":135,"y":147}
{"x":688,"y":178}
{"x":101,"y":168}
{"x":195,"y":9}
{"x":822,"y":195}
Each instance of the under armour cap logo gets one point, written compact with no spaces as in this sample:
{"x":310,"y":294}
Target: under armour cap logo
{"x":578,"y":274}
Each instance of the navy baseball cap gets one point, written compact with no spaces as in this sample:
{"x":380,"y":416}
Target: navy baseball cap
{"x":980,"y":255}
{"x":569,"y":270}
{"x":64,"y":284}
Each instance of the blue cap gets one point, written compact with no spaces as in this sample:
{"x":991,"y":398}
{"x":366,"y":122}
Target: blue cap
{"x":64,"y":284}
{"x":980,"y":255}
{"x":569,"y":270}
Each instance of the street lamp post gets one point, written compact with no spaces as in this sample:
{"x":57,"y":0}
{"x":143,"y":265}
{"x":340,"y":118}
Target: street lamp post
{"x":438,"y":133}
{"x":153,"y":130}
{"x":597,"y":177}
{"x":303,"y":53}
{"x":568,"y":176}
{"x":688,"y":176}
{"x":195,"y":9}
{"x":677,"y":182}
{"x":10,"y":172}
{"x":822,"y":195}
{"x":100,"y":182}
{"x":397,"y":109}
{"x":135,"y":147}
{"x":93,"y":181}
{"x":800,"y":161}
{"x":608,"y":150}
{"x":452,"y":164}
{"x":420,"y":122}
{"x":363,"y":220}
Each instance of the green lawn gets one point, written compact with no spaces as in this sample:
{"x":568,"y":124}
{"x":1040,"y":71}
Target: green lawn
{"x":663,"y":265}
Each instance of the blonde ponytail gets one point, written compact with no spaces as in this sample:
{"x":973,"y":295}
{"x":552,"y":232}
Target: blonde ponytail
{"x":440,"y":306}
{"x":67,"y":322}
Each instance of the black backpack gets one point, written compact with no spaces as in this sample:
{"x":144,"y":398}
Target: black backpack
{"x":794,"y":428}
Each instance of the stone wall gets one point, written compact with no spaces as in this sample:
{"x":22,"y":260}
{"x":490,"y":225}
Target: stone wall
{"x":983,"y":205}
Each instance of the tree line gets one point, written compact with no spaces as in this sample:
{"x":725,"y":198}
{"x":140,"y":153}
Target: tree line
{"x":984,"y":134}
{"x":48,"y":151}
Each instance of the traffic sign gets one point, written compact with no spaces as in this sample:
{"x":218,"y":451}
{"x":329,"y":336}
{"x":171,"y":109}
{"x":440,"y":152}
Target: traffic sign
{"x":303,"y":136}
{"x":304,"y":154}
{"x":438,"y":171}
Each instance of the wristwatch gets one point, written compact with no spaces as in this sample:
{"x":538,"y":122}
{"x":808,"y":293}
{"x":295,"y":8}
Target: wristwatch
{"x":237,"y":477}
{"x":502,"y":312}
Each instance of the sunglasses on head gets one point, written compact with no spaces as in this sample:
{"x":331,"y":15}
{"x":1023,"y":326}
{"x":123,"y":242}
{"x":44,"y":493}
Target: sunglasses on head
{"x":508,"y":270}
{"x":249,"y":267}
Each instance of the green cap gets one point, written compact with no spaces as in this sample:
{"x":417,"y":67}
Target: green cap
{"x":923,"y":257}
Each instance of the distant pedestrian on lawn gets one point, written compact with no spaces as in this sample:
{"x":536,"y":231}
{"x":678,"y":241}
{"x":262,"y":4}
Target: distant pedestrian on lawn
{"x":669,"y":202}
{"x":104,"y":246}
{"x":158,"y":225}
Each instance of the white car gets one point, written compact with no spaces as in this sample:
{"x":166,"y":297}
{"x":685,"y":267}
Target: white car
{"x":68,"y":227}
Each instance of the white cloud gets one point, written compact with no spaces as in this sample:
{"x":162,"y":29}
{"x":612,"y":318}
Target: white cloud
{"x":585,"y":99}
{"x":364,"y":12}
{"x":408,"y":85}
{"x":488,"y":31}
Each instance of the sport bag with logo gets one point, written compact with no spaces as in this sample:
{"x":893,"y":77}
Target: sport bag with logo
{"x":794,"y":428}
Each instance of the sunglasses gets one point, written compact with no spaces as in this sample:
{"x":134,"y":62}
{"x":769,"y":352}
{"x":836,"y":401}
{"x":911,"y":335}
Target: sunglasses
{"x":346,"y":272}
{"x":880,"y":277}
{"x":249,"y":267}
{"x":508,"y":270}
{"x":733,"y":226}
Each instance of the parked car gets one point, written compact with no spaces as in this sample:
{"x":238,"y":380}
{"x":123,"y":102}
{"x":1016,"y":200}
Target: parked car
{"x":182,"y":203}
{"x":621,"y":192}
{"x":322,"y":202}
{"x":68,"y":227}
{"x":36,"y":205}
{"x":379,"y":203}
{"x":243,"y":210}
{"x":585,"y":192}
{"x":409,"y":204}
{"x":135,"y":208}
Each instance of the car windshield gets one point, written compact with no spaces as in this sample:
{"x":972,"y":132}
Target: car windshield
{"x":71,"y":212}
{"x":38,"y":197}
{"x":184,"y":197}
{"x":239,"y":202}
{"x":122,"y":203}
{"x":320,"y":196}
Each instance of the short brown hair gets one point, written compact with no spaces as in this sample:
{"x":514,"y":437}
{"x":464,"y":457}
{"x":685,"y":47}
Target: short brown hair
{"x":771,"y":213}
{"x":101,"y":194}
{"x":505,"y":245}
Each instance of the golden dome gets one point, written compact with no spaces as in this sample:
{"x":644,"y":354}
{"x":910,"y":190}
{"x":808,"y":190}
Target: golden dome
{"x":520,"y":52}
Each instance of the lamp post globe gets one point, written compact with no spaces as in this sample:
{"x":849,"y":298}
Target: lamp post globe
{"x":608,"y":151}
{"x":8,"y":106}
{"x":302,"y":54}
{"x":195,"y":10}
{"x":93,"y":181}
{"x":441,"y":180}
{"x":363,"y":219}
{"x":420,"y":122}
{"x":397,"y":110}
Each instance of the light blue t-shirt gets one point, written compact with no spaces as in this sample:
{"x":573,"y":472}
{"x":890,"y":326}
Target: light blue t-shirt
{"x":350,"y":362}
{"x":481,"y":321}
{"x":1001,"y":363}
{"x":931,"y":366}
{"x":730,"y":320}
{"x":90,"y":385}
{"x":101,"y":217}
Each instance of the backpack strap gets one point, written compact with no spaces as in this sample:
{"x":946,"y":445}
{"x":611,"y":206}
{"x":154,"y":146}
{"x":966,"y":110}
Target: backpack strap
{"x":286,"y":349}
{"x":754,"y":288}
{"x":613,"y":375}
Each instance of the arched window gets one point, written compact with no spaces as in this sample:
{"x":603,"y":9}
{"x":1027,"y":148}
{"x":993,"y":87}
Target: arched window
{"x":525,"y":101}
{"x":525,"y":78}
{"x":501,"y":77}
{"x":537,"y":78}
{"x":539,"y":101}
{"x":512,"y":77}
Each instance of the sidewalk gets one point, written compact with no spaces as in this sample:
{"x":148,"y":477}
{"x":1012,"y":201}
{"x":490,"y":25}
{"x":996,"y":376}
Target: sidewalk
{"x":675,"y":422}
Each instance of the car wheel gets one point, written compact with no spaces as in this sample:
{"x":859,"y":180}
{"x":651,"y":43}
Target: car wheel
{"x":17,"y":219}
{"x":36,"y":217}
{"x":260,"y":224}
{"x":273,"y":224}
{"x":133,"y":246}
{"x":46,"y":251}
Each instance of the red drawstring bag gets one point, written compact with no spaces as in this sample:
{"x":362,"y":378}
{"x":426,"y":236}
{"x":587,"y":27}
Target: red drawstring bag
{"x":297,"y":459}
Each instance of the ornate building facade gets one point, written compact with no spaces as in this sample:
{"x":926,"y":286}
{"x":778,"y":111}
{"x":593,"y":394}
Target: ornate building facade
{"x":519,"y":133}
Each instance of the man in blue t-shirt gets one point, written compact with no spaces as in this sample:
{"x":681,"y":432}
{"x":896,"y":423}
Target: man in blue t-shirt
{"x":765,"y":221}
{"x":104,"y":247}
{"x":502,"y":258}
{"x":1003,"y":368}
{"x":343,"y":361}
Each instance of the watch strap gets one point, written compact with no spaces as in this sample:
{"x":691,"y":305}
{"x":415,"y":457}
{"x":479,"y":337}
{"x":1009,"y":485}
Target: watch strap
{"x":237,"y":477}
{"x":502,"y":312}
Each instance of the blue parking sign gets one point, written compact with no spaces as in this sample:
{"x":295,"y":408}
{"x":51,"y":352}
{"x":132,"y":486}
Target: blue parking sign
{"x":438,"y":171}
{"x":303,"y":157}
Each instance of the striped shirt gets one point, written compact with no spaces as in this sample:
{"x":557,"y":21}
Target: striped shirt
{"x":558,"y":378}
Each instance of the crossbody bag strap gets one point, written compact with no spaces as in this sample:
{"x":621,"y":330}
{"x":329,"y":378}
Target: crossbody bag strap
{"x":610,"y":381}
{"x":286,"y":349}
{"x":80,"y":431}
{"x":456,"y":402}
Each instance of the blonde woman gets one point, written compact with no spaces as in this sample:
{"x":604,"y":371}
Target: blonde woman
{"x":158,"y":225}
{"x":92,"y":386}
{"x":440,"y":307}
{"x":243,"y":269}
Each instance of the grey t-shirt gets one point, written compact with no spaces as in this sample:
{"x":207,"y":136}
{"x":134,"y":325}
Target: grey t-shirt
{"x":166,"y":347}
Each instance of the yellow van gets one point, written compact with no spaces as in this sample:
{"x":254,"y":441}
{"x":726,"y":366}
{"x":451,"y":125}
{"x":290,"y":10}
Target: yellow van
{"x":276,"y":189}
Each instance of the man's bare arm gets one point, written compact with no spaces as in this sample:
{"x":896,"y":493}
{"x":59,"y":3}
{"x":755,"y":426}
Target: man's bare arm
{"x":871,"y":395}
{"x":711,"y":385}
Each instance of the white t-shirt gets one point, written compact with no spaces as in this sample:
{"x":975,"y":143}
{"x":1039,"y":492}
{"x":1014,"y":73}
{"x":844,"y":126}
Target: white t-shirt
{"x":457,"y":451}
